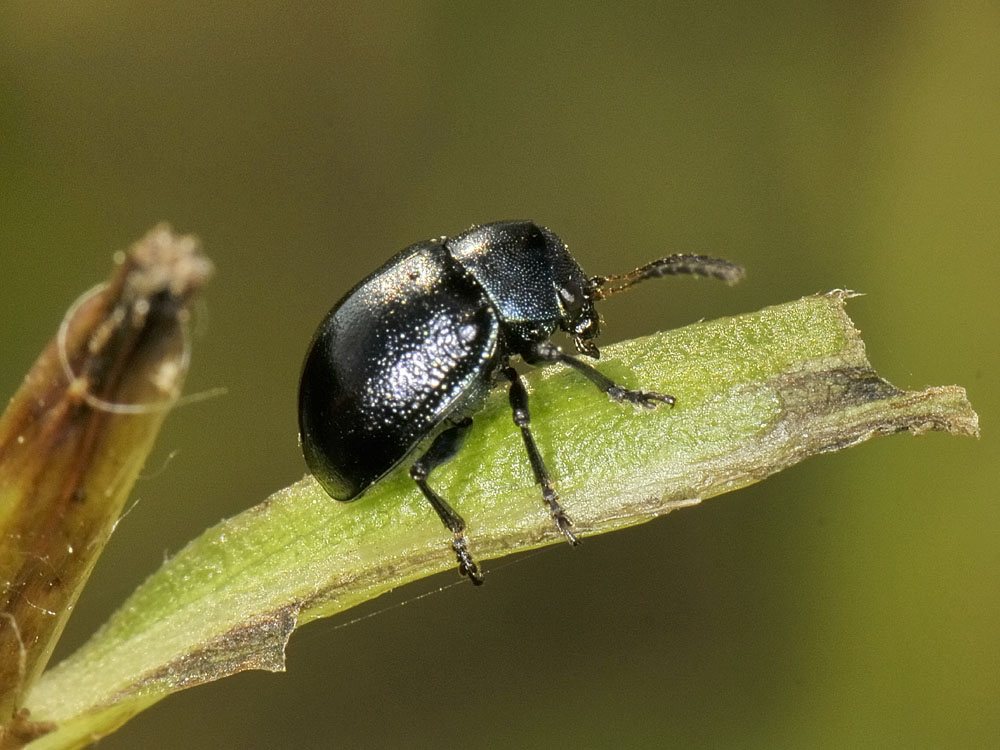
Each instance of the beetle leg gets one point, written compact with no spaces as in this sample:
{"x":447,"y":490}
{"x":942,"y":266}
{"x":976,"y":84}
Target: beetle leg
{"x":522,"y":418}
{"x":444,"y":448}
{"x":546,"y":351}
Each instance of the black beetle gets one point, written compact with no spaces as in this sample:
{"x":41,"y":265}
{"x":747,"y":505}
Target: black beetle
{"x":409,"y":353}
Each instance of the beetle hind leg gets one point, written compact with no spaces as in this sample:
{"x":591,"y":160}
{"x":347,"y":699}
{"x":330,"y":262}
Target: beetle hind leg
{"x":444,"y":447}
{"x":522,"y":418}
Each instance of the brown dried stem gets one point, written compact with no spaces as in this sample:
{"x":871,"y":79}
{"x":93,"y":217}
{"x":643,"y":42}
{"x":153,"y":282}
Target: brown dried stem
{"x":75,"y":436}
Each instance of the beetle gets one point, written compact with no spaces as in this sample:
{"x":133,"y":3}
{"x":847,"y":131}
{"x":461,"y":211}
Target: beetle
{"x":403,"y":361}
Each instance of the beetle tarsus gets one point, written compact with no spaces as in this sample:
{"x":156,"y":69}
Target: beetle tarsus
{"x":647,"y":399}
{"x":565,"y":524}
{"x":562,"y":520}
{"x":466,"y":565}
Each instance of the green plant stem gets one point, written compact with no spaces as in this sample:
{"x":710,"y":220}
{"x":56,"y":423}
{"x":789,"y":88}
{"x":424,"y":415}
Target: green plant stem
{"x":755,"y":393}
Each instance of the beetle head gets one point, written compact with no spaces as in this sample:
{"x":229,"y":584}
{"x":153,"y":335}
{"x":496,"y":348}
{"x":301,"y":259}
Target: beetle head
{"x":579,"y":317}
{"x":575,"y":295}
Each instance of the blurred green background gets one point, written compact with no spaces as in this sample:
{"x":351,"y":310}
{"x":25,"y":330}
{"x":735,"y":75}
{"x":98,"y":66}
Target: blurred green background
{"x":852,"y":601}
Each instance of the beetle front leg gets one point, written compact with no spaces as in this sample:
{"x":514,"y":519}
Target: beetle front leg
{"x":444,"y":448}
{"x":546,"y":351}
{"x":522,"y":418}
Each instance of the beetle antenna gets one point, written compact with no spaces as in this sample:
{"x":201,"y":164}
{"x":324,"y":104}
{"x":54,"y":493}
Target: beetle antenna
{"x":673,"y":265}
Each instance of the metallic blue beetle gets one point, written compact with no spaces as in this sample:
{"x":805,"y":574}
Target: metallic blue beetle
{"x":410,"y":352}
